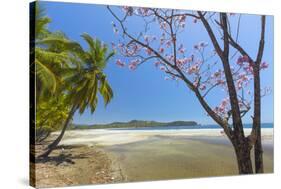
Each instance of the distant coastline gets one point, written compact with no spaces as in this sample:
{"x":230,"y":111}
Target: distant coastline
{"x":134,"y":124}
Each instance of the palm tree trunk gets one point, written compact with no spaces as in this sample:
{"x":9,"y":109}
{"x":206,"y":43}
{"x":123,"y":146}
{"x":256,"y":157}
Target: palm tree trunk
{"x":54,"y":144}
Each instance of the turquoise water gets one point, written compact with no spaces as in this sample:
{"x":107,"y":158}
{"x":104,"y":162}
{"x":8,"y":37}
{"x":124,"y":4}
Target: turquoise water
{"x":263,"y":125}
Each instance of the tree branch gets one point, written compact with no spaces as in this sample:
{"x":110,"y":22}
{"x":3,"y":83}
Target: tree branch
{"x":261,"y":45}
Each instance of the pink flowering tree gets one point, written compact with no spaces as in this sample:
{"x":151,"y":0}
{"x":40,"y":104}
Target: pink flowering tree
{"x":222,"y":66}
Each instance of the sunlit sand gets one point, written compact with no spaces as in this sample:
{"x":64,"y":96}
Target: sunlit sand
{"x":107,"y":137}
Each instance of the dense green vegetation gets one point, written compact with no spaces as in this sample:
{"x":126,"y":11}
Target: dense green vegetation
{"x":69,"y":78}
{"x":134,"y":124}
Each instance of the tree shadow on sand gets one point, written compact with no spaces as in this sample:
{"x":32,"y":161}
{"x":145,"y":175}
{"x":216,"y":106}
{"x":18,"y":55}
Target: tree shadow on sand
{"x":62,"y":157}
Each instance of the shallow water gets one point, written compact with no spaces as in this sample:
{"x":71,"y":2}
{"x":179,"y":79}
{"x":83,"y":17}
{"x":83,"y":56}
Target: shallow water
{"x":169,"y":157}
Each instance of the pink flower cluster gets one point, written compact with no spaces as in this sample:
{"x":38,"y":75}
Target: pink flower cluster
{"x":180,"y":20}
{"x":242,"y":59}
{"x":242,"y":81}
{"x":223,"y":108}
{"x":264,"y":65}
{"x":143,"y":11}
{"x":133,"y":64}
{"x":130,"y":49}
{"x":128,"y":10}
{"x":120,"y":63}
{"x":181,"y":49}
{"x":246,"y":64}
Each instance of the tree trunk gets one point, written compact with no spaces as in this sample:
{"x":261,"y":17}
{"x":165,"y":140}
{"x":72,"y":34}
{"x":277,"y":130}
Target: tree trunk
{"x":54,"y":144}
{"x":40,"y":137}
{"x":243,"y":155}
{"x":258,"y":155}
{"x":44,"y":137}
{"x":257,"y":121}
{"x":257,"y":102}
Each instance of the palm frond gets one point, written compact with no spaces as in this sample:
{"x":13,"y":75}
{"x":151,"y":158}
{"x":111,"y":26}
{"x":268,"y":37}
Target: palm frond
{"x":46,"y":77}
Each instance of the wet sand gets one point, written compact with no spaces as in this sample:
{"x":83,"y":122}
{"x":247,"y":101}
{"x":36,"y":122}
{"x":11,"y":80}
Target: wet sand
{"x":176,"y":158}
{"x":174,"y":154}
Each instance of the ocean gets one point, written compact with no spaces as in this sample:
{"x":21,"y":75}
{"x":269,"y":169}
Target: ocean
{"x":263,"y":125}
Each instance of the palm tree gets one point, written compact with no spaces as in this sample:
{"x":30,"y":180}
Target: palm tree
{"x":85,"y":82}
{"x":52,"y":55}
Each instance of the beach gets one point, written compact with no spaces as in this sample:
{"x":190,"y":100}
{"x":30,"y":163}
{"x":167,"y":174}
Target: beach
{"x":125,"y":155}
{"x":169,"y":154}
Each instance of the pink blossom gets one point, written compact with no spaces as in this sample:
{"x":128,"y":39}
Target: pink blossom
{"x":132,"y":67}
{"x":133,"y":64}
{"x":146,"y":38}
{"x":193,"y":69}
{"x":170,"y":57}
{"x":222,"y":109}
{"x":162,"y":68}
{"x":220,"y":82}
{"x":128,"y":10}
{"x":264,"y":65}
{"x":143,"y":11}
{"x":148,"y":51}
{"x":217,"y":74}
{"x":195,"y":83}
{"x":181,"y":49}
{"x":161,"y":49}
{"x":188,"y":60}
{"x":202,"y":87}
{"x":168,"y":43}
{"x":163,"y":25}
{"x":162,"y":39}
{"x":166,"y":78}
{"x":182,"y":18}
{"x":248,"y":69}
{"x":157,"y":63}
{"x":242,"y":59}
{"x":121,"y":45}
{"x":120,"y":63}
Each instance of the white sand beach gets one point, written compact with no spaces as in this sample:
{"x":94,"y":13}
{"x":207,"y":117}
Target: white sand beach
{"x":106,"y":137}
{"x":143,"y":155}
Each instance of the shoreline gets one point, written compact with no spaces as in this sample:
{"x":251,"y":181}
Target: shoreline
{"x":108,"y":137}
{"x":115,"y":156}
{"x":169,"y":154}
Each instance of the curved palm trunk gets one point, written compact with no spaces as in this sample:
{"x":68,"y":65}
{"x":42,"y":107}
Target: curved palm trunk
{"x":54,"y":144}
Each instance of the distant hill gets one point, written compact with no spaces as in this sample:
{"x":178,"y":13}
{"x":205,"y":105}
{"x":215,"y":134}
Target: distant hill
{"x":134,"y":124}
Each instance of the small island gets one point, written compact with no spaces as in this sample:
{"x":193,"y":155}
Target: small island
{"x":134,"y":124}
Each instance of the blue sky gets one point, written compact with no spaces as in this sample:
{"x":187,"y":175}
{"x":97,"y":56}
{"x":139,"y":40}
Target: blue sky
{"x":144,"y":94}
